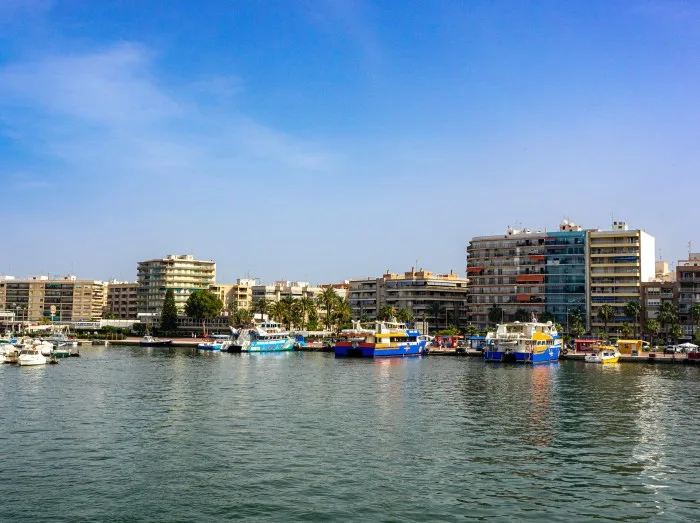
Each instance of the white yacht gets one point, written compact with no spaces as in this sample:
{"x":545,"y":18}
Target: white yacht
{"x":31,"y":357}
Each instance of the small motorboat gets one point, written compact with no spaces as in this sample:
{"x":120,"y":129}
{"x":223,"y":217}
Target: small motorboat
{"x":61,"y":352}
{"x":150,"y":341}
{"x":605,"y":354}
{"x":31,"y":357}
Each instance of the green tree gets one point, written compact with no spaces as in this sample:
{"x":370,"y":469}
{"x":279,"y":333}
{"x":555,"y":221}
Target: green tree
{"x":202,"y":305}
{"x":606,"y":313}
{"x":544,"y":317}
{"x":652,"y":328}
{"x":495,"y":314}
{"x":109,"y":316}
{"x":404,"y":315}
{"x":675,"y":331}
{"x":261,"y":306}
{"x":168,"y":317}
{"x":306,"y":305}
{"x":296,"y":314}
{"x":327,"y":300}
{"x":695,"y":315}
{"x":576,"y":326}
{"x":386,"y":313}
{"x":288,"y":302}
{"x":668,"y":315}
{"x":471,"y":330}
{"x":522,"y":315}
{"x":278,"y":311}
{"x":627,"y":330}
{"x":242,"y":318}
{"x":633,"y":309}
{"x":437,"y":311}
{"x":342,"y":312}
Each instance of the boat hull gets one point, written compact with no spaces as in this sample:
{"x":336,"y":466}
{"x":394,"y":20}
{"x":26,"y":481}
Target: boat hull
{"x":369,"y":350}
{"x":551,"y":354}
{"x":164,"y":343}
{"x":204,"y":346}
{"x":31,"y":362}
{"x":270,"y":345}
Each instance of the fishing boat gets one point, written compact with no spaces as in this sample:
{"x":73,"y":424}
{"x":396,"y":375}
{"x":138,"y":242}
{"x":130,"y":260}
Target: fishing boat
{"x":31,"y":357}
{"x":150,"y":341}
{"x":266,"y":337}
{"x":218,"y":342}
{"x":523,"y":342}
{"x":605,"y":354}
{"x":378,"y":339}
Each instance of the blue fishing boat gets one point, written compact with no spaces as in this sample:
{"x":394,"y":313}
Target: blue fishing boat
{"x":383,"y":338}
{"x":266,"y":337}
{"x":523,"y":342}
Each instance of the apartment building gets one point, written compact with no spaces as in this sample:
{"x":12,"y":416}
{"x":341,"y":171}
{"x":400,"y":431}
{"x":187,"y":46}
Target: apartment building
{"x":688,"y":278}
{"x":281,"y":289}
{"x":180,"y":272}
{"x":507,"y":271}
{"x":238,"y":295}
{"x":654,"y":293}
{"x":55,"y":299}
{"x":619,"y":260}
{"x":439,"y":299}
{"x":122,"y":300}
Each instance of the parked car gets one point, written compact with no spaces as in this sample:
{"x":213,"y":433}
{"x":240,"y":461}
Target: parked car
{"x":671,"y":349}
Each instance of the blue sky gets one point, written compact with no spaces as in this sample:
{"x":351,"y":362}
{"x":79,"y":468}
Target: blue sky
{"x":329,"y":139}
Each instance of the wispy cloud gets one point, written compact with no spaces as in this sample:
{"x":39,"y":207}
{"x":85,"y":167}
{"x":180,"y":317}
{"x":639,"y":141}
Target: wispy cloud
{"x":107,"y":110}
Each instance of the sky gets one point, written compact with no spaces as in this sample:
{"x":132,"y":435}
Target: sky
{"x":322,"y":140}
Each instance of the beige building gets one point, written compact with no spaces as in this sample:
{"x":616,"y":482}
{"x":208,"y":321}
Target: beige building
{"x":238,"y":295}
{"x":122,"y":300}
{"x":440,"y":299}
{"x":58,"y":299}
{"x":619,"y":260}
{"x":281,"y":289}
{"x":180,"y":272}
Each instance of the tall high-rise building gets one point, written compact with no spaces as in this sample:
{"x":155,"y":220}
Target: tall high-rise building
{"x":688,"y":278}
{"x":180,"y":272}
{"x":619,"y":260}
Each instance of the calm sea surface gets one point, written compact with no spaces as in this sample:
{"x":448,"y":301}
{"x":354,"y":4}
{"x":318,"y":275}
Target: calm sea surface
{"x":135,"y":434}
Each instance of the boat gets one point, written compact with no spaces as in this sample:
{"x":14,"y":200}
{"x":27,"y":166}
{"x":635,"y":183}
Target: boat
{"x":379,"y":339}
{"x":150,"y":341}
{"x":59,"y":338}
{"x":218,"y":342}
{"x":61,"y":352}
{"x":45,"y":347}
{"x":11,"y":354}
{"x":605,"y":354}
{"x":31,"y":357}
{"x":266,"y":337}
{"x":523,"y":342}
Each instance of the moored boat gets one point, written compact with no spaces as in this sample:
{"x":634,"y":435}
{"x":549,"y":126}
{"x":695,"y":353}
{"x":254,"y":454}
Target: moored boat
{"x":31,"y":357}
{"x":150,"y":341}
{"x":523,"y":342}
{"x":605,"y":354}
{"x":61,"y":352}
{"x":266,"y":337}
{"x":217,"y":343}
{"x":382,"y":338}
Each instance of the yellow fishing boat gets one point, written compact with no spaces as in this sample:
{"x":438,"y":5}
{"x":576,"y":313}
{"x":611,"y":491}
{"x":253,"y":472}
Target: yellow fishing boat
{"x":605,"y":354}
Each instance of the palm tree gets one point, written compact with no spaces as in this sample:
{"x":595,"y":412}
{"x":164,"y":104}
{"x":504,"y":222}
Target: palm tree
{"x":278,"y":311}
{"x":606,"y":314}
{"x":437,"y":310}
{"x":242,"y":318}
{"x":675,"y":331}
{"x":495,"y":314}
{"x":288,"y":303}
{"x":342,"y":311}
{"x":327,"y":300}
{"x":295,"y":314}
{"x":522,"y":315}
{"x":627,"y":330}
{"x":632,"y":309}
{"x":261,"y":306}
{"x":404,"y":315}
{"x":695,"y":314}
{"x":667,"y":315}
{"x":386,"y":313}
{"x":652,"y":327}
{"x":305,"y":305}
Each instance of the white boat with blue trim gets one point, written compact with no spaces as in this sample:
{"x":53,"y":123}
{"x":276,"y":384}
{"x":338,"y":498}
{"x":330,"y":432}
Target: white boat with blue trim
{"x":523,"y":342}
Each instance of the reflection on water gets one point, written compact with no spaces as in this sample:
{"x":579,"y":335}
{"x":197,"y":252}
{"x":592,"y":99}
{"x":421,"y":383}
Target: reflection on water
{"x":183,"y":435}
